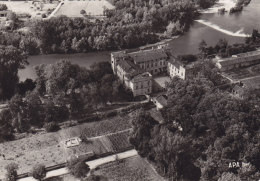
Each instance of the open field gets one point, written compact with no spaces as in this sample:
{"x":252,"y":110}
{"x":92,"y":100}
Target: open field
{"x":20,"y":7}
{"x":93,"y":8}
{"x":47,"y":148}
{"x":134,"y":169}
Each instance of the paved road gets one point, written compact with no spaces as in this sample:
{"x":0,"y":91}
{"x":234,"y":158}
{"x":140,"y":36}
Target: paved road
{"x":92,"y":164}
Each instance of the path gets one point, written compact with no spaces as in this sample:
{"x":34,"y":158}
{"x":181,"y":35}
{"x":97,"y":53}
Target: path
{"x":248,"y":78}
{"x":92,"y":164}
{"x":125,"y":130}
{"x":55,"y":11}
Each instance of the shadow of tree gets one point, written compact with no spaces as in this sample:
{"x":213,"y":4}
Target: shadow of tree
{"x":54,"y":179}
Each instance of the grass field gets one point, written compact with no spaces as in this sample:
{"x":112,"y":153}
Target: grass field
{"x":93,"y":8}
{"x":20,"y":7}
{"x":47,"y":148}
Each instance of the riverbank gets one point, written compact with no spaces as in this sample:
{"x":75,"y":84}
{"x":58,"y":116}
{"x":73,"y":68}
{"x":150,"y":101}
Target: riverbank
{"x":227,"y":4}
{"x":238,"y":33}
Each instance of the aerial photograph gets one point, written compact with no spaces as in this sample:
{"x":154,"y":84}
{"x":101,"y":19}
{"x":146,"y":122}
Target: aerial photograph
{"x":129,"y":90}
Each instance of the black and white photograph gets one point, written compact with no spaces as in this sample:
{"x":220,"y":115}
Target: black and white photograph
{"x":129,"y":90}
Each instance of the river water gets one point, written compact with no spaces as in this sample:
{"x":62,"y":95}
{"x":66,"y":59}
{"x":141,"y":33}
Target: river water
{"x":209,"y":27}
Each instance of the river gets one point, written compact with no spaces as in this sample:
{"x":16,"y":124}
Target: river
{"x":210,"y":27}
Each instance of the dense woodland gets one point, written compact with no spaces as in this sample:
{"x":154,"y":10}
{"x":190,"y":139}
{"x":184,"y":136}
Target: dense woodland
{"x":217,"y":129}
{"x":62,"y":91}
{"x":130,"y":24}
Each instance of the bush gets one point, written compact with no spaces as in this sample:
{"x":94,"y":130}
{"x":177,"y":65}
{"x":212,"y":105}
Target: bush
{"x":44,"y":16}
{"x":11,"y":172}
{"x":38,"y":172}
{"x":111,"y":114}
{"x":82,"y":11}
{"x":78,"y":168}
{"x":3,"y":7}
{"x":93,"y":177}
{"x":51,"y":127}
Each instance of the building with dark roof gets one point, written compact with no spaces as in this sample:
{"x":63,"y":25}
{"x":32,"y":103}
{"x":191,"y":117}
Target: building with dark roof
{"x":153,"y":60}
{"x":160,"y":101}
{"x":239,"y":60}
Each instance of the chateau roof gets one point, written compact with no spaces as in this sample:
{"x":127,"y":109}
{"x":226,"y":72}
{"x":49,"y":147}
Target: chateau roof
{"x":148,"y":55}
{"x":119,"y":54}
{"x":176,"y":63}
{"x":162,"y":99}
{"x":142,"y":75}
{"x":129,"y":67}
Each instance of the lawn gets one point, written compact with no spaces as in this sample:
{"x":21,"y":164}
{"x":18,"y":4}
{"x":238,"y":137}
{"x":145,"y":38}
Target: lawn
{"x":20,"y":7}
{"x":93,"y":8}
{"x":47,"y":148}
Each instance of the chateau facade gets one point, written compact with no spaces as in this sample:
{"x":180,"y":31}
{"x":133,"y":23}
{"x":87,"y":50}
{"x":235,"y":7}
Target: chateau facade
{"x":136,"y":69}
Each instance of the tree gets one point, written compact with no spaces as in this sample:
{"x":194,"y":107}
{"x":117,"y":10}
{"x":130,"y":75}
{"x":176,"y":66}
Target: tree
{"x":83,"y":12}
{"x":3,"y":7}
{"x":18,"y":112}
{"x":38,"y":172}
{"x":12,"y":59}
{"x":187,"y":58}
{"x":78,"y":168}
{"x":174,"y":28}
{"x":27,"y":85}
{"x":226,"y":176}
{"x":11,"y":172}
{"x":6,"y":129}
{"x":93,"y":177}
{"x":203,"y":48}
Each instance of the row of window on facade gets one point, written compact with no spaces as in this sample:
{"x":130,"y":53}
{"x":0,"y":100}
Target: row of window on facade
{"x":153,"y":64}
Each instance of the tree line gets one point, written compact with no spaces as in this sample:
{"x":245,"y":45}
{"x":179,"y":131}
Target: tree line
{"x":223,"y":49}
